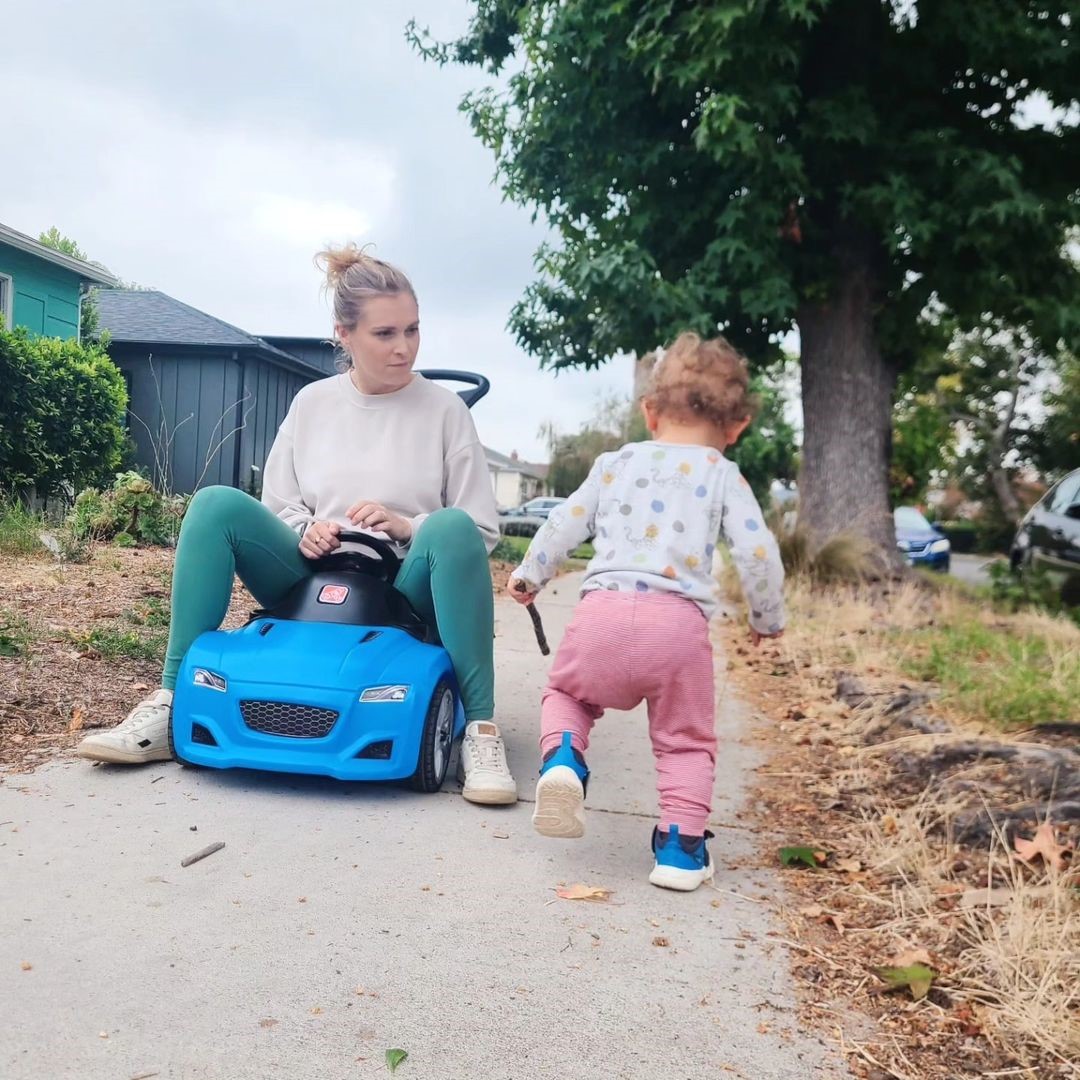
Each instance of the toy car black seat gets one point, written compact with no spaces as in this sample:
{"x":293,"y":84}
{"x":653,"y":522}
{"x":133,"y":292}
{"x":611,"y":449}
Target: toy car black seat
{"x":353,"y":588}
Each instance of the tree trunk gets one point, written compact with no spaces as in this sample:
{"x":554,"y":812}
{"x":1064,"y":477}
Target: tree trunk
{"x":999,"y":449}
{"x":847,"y":391}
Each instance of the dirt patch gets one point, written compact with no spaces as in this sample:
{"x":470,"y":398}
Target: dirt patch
{"x":915,"y":826}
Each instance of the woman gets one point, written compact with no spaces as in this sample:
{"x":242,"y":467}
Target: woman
{"x":377,"y":448}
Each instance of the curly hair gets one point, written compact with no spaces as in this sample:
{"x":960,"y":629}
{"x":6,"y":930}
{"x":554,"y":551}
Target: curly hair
{"x":701,"y":380}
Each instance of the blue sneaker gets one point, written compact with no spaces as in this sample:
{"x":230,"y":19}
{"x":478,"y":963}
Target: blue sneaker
{"x":682,"y":862}
{"x":560,"y":792}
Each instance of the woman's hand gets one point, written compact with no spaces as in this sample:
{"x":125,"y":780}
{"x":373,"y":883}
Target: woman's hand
{"x":376,"y":518}
{"x":319,"y":539}
{"x":521,"y":591}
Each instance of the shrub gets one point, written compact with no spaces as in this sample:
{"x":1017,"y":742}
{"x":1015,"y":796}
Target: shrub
{"x":131,"y":512}
{"x":61,"y":414}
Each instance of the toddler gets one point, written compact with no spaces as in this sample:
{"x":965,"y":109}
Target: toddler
{"x":641,"y":630}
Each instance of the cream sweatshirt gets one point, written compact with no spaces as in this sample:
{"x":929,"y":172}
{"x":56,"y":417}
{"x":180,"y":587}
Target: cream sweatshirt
{"x":414,"y":451}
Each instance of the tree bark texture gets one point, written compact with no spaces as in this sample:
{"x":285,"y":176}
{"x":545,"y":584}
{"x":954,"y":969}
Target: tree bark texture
{"x":847,"y":395}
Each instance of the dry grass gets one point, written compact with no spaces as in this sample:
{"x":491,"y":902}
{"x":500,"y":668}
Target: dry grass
{"x":1004,"y":937}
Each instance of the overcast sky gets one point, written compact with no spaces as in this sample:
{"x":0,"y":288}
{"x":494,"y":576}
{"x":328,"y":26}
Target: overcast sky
{"x":208,"y":148}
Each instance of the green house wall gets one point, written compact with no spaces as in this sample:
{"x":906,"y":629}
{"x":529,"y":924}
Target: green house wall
{"x":45,"y":296}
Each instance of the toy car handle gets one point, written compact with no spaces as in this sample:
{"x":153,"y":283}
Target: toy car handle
{"x":480,"y":385}
{"x":387,"y":556}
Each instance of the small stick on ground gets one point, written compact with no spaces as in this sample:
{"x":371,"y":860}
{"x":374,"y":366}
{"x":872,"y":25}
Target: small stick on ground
{"x":202,"y":853}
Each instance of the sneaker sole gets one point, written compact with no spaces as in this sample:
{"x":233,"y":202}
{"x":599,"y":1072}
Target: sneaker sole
{"x":489,"y":797}
{"x":671,"y":877}
{"x":560,"y":804}
{"x":113,"y":756}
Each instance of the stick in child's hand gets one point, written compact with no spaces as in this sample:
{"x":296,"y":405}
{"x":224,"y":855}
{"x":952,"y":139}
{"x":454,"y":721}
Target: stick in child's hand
{"x":538,"y":626}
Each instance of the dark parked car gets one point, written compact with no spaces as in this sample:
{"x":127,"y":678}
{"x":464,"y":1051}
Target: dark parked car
{"x":526,"y":520}
{"x":921,"y":543}
{"x":1049,"y":537}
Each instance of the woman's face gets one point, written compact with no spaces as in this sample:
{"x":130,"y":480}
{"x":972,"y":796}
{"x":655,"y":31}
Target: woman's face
{"x":383,"y":344}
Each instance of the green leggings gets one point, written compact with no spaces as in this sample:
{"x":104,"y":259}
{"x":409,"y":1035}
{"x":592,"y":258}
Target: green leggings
{"x":445,"y":577}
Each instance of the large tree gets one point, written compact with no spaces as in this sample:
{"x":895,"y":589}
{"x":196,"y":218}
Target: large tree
{"x":755,"y":166}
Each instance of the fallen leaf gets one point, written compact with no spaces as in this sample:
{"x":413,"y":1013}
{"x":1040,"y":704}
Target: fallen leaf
{"x":805,"y":856}
{"x":584,"y":892}
{"x":78,"y":718}
{"x":849,"y":866}
{"x":316,"y":1010}
{"x":814,"y":911}
{"x":268,"y":1022}
{"x":27,"y":966}
{"x":1044,"y":845}
{"x":914,"y":977}
{"x":889,"y":825}
{"x":140,"y":686}
{"x":662,"y":942}
{"x":394,"y":1058}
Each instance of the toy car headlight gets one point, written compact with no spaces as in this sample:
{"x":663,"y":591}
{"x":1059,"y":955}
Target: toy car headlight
{"x":939,"y":546}
{"x":385,"y":693}
{"x":210,"y":679}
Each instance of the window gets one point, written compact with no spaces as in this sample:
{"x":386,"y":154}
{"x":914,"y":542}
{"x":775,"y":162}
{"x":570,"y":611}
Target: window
{"x":1067,"y":493}
{"x":7,"y":292}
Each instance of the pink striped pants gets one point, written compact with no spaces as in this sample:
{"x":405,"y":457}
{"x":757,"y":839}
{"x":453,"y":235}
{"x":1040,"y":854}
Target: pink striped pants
{"x":621,"y":648}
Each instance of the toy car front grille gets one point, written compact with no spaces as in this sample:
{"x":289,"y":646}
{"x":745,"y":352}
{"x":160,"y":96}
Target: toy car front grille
{"x":283,"y":718}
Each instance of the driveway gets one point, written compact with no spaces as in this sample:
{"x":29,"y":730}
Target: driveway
{"x":341,"y":920}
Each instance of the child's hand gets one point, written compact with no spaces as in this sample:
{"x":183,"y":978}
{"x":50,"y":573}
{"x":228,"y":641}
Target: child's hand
{"x":757,"y":637}
{"x":521,"y":591}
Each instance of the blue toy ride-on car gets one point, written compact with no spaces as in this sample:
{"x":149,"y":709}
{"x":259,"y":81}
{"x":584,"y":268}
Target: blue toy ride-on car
{"x":341,"y":679}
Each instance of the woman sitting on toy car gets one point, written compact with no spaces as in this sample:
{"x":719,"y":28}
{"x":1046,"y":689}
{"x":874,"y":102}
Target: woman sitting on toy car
{"x":378,"y":448}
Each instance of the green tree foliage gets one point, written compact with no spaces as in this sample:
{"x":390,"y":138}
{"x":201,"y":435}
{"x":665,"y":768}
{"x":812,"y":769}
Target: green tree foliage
{"x":923,"y":445}
{"x":752,"y":166}
{"x":61,"y":414}
{"x":55,"y":239}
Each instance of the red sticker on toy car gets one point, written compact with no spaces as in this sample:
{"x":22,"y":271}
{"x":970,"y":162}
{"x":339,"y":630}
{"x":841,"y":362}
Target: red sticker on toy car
{"x":333,"y":594}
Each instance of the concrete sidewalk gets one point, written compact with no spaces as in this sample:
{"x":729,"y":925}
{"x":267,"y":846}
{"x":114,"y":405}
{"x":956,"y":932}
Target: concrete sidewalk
{"x":341,"y":920}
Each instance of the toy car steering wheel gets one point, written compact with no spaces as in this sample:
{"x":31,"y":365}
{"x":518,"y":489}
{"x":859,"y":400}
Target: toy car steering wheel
{"x":385,"y":566}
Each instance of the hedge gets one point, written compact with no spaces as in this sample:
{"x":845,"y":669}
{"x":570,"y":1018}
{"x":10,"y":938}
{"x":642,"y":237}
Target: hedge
{"x":62,"y":408}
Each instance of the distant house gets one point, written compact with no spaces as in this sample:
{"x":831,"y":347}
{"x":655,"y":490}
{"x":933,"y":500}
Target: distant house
{"x":205,"y":397}
{"x":43,"y":289}
{"x":515,"y":481}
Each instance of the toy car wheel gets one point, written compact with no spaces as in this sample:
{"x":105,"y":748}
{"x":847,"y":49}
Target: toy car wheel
{"x":172,"y":750}
{"x":436,"y":741}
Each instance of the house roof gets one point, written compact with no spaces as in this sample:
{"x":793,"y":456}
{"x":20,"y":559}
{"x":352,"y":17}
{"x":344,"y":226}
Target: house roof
{"x":86,"y":271}
{"x":151,"y":317}
{"x":510,"y":464}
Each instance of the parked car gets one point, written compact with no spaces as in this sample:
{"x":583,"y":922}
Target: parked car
{"x":1048,"y":538}
{"x":540,"y":507}
{"x":527,"y":519}
{"x":921,"y":543}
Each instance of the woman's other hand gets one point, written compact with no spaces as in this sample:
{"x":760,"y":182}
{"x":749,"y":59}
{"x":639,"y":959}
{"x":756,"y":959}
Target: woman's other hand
{"x":376,"y":518}
{"x":319,"y":539}
{"x":521,"y":591}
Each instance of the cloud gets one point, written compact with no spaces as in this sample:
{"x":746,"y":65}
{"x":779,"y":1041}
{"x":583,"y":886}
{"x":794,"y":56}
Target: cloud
{"x":210,"y":150}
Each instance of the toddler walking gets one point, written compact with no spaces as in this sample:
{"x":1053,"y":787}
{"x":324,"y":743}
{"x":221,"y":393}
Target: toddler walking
{"x":641,"y":630}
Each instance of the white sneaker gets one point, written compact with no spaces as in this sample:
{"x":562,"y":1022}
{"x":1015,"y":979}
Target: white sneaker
{"x":487,"y":777}
{"x":142,"y":736}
